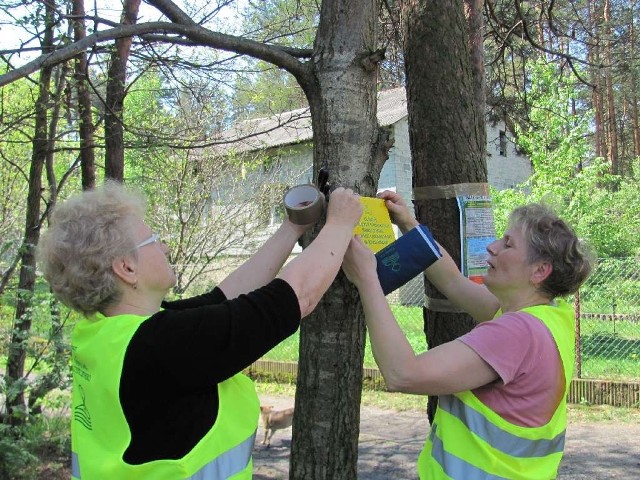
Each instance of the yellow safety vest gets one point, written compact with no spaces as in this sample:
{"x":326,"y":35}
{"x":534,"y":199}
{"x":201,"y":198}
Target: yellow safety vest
{"x":100,"y":433}
{"x":469,"y":441}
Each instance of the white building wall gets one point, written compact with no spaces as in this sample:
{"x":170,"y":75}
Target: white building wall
{"x":396,"y":172}
{"x":506,"y":167}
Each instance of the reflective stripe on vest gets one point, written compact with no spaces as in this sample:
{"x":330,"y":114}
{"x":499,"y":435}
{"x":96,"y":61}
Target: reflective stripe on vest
{"x":227,"y":464}
{"x":223,"y":466}
{"x":453,"y":466}
{"x":75,"y":466}
{"x":506,"y":442}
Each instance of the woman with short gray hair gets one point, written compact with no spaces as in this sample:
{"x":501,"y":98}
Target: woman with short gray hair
{"x":157,"y":386}
{"x":87,"y":232}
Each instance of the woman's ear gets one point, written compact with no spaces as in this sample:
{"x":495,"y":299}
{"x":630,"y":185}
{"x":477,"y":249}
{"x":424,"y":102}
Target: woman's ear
{"x":541,"y":271}
{"x":125,"y":269}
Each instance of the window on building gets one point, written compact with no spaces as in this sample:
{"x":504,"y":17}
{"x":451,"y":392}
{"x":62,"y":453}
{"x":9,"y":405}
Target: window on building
{"x":503,"y":143}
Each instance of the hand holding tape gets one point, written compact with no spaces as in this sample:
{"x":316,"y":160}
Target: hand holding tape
{"x":304,"y":204}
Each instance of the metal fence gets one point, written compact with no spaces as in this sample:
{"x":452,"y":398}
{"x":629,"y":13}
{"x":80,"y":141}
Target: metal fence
{"x":608,"y":327}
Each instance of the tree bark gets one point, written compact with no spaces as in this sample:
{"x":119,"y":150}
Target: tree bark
{"x":348,"y":142}
{"x":475,"y":29}
{"x":633,"y":80}
{"x":116,"y":86}
{"x":87,"y":146}
{"x":612,"y":133}
{"x":16,"y":383}
{"x":596,"y":79}
{"x":446,"y":133}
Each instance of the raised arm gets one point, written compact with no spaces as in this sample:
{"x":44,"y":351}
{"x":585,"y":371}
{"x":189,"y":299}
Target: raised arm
{"x":265,"y":264}
{"x":448,"y":368}
{"x":444,"y":274}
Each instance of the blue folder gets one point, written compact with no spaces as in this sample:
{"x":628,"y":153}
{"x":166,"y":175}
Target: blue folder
{"x":406,"y":258}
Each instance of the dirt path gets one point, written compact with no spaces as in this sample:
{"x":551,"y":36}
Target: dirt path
{"x":391,"y":441}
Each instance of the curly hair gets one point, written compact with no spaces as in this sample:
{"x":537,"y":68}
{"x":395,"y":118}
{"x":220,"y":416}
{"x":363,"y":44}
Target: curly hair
{"x":86,"y":233}
{"x":551,"y":239}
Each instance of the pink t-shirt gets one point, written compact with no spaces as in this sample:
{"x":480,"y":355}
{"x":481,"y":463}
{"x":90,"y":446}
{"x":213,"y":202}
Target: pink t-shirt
{"x":521,"y":349}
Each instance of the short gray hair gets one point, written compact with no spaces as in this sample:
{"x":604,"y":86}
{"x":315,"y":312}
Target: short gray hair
{"x":551,"y":239}
{"x":87,"y":232}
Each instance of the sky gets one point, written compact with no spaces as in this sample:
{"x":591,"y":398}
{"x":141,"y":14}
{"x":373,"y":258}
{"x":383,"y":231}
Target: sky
{"x":12,"y":36}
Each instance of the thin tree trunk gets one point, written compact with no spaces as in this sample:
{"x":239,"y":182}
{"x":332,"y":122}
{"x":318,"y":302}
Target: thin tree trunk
{"x":16,"y":383}
{"x":116,"y":83}
{"x":596,"y":80}
{"x":446,"y":140}
{"x":56,"y":102}
{"x":52,"y":378}
{"x":87,"y":147}
{"x":612,"y":134}
{"x":635,"y":123}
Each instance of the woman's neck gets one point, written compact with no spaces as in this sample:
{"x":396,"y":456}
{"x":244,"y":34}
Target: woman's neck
{"x":124,"y":309}
{"x":518,"y":303}
{"x":134,"y":303}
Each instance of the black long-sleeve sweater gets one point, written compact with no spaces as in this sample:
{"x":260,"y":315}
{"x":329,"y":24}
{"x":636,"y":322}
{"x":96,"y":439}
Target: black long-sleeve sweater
{"x":176,"y":358}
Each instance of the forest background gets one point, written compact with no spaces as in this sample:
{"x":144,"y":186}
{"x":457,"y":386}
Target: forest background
{"x":143,"y":92}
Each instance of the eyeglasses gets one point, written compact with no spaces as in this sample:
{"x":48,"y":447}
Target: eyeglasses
{"x":152,"y":239}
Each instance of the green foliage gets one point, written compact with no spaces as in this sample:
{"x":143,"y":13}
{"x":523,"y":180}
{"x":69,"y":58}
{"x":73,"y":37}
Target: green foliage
{"x":603,"y":208}
{"x":16,"y":129}
{"x":46,"y":345}
{"x":264,"y":89}
{"x":409,"y":318}
{"x":16,"y":461}
{"x":24,"y":450}
{"x":611,"y":350}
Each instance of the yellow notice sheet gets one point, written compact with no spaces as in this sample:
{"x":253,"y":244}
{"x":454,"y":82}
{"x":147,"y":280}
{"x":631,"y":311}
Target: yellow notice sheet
{"x":375,"y":225}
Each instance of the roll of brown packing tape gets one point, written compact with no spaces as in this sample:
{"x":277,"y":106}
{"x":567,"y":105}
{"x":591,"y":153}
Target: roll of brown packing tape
{"x":304,"y":204}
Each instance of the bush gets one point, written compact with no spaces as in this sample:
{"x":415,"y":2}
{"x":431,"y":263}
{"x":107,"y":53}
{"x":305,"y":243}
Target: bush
{"x":16,"y":462}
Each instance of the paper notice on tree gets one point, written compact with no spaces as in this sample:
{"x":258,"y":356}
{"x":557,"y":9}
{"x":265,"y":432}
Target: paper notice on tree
{"x":375,"y":224}
{"x":477,"y":230}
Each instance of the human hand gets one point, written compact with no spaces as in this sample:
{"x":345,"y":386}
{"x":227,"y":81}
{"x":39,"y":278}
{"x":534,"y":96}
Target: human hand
{"x":359,"y":263}
{"x":398,"y":210}
{"x":344,"y":208}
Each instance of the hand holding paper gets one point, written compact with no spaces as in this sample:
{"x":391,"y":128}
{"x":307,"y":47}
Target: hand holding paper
{"x":398,"y":261}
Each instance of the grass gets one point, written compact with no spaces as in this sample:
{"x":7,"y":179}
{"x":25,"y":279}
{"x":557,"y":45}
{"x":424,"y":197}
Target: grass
{"x":402,"y":402}
{"x":609,"y":351}
{"x":409,"y":318}
{"x":389,"y":401}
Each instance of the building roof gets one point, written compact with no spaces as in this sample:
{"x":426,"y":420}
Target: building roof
{"x":289,"y":128}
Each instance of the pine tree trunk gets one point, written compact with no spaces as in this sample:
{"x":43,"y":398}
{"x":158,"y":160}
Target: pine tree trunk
{"x":612,"y":133}
{"x":635,"y":122}
{"x":596,"y":80}
{"x":87,"y":146}
{"x":446,"y":133}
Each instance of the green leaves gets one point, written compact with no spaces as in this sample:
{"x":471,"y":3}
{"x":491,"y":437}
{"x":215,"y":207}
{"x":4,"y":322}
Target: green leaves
{"x":603,"y":208}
